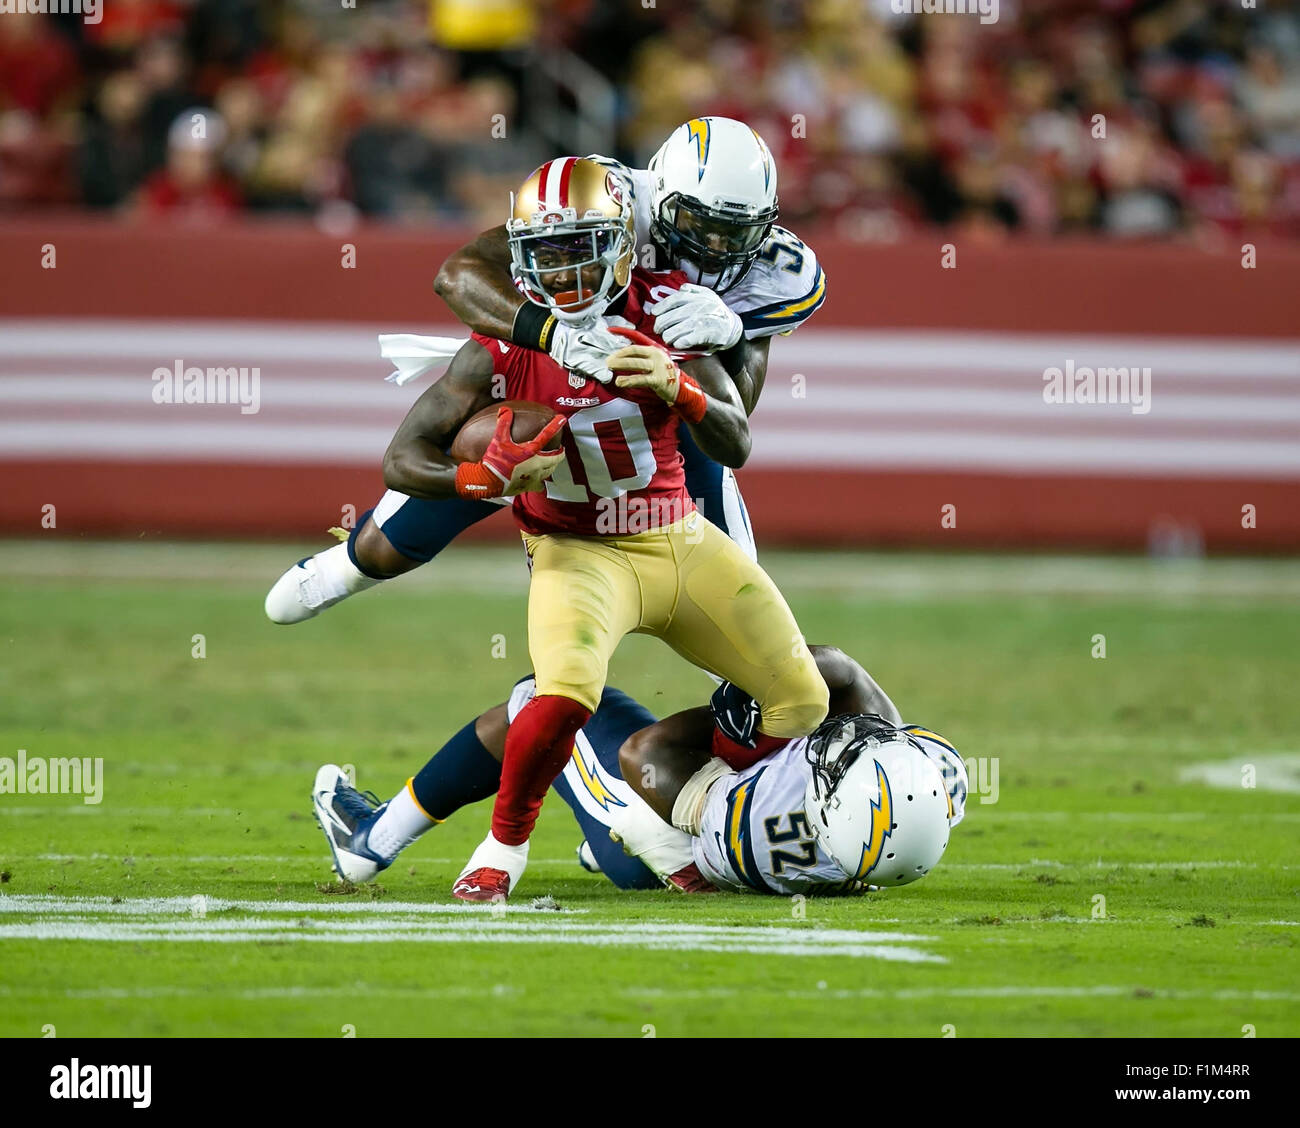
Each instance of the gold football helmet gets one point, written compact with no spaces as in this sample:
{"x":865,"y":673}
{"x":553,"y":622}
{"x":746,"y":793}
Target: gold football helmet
{"x":572,"y":237}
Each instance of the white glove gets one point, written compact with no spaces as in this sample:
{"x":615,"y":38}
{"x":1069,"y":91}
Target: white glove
{"x":695,"y":317}
{"x":585,"y":349}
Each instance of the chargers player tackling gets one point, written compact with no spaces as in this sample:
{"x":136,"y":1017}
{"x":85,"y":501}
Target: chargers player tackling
{"x":784,"y":825}
{"x":706,"y":206}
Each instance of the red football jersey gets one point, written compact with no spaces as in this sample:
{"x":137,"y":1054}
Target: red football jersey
{"x":622,"y":472}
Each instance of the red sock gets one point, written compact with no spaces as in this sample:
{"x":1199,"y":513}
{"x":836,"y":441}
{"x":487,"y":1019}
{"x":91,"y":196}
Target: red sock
{"x":737,"y":756}
{"x":539,"y":743}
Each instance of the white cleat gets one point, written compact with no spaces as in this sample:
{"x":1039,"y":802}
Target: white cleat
{"x":346,"y":816}
{"x":313,"y":584}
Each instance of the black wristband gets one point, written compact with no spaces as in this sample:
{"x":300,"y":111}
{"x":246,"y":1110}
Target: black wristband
{"x":532,"y":327}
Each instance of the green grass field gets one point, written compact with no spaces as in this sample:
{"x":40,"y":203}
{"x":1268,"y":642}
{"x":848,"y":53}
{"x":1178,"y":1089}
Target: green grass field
{"x":1109,"y":890}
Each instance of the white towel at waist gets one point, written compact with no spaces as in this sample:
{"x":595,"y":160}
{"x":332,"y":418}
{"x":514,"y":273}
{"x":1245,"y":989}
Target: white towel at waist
{"x":414,"y":356}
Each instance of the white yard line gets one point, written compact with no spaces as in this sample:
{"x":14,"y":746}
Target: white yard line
{"x":122,"y":933}
{"x":75,"y":919}
{"x":1009,"y":991}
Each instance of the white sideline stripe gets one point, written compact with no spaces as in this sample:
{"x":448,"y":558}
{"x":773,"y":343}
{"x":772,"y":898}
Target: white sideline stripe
{"x":262,"y":341}
{"x":299,"y":391}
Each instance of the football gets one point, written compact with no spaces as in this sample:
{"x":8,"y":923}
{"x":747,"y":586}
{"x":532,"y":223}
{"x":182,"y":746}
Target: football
{"x":471,"y":441}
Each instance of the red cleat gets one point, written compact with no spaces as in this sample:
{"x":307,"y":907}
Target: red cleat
{"x":484,"y":884}
{"x":688,"y":879}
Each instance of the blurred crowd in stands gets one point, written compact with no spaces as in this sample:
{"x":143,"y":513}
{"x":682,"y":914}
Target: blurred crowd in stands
{"x":1130,"y":118}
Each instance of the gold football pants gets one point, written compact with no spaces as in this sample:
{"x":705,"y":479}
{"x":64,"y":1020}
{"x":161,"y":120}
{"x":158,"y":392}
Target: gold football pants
{"x":688,"y":584}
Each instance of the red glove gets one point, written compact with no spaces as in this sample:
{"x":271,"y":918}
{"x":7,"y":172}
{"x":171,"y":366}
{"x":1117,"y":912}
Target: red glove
{"x":507,"y":467}
{"x":655,"y":370}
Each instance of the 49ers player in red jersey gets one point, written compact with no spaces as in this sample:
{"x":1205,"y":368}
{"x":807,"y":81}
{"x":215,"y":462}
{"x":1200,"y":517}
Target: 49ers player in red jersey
{"x":614,"y":541}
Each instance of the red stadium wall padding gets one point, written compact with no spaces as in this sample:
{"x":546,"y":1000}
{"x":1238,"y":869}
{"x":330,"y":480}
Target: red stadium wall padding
{"x":293,"y":272}
{"x":205,"y":500}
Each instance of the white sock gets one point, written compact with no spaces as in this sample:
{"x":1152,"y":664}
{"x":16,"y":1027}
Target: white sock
{"x":401,"y":824}
{"x":491,"y":854}
{"x":338,"y":576}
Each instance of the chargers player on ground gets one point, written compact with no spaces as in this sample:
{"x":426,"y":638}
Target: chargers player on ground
{"x":615,"y":543}
{"x":707,"y":206}
{"x":798,"y":821}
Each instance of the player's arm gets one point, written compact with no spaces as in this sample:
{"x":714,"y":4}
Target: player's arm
{"x":700,"y":391}
{"x":853,"y":690}
{"x":475,"y":282}
{"x":746,"y":364}
{"x":722,"y":432}
{"x":415,"y":462}
{"x":657,"y":761}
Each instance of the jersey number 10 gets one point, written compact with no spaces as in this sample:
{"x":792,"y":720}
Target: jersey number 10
{"x":600,"y":481}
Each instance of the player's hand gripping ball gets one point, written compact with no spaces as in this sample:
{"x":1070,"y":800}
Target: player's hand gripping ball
{"x":515,"y":458}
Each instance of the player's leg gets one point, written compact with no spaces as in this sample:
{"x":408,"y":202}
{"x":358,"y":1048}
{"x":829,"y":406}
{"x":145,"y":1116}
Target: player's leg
{"x":730,"y":618}
{"x":632,"y":845}
{"x":365,"y":836}
{"x":714,"y":488}
{"x":583,"y":597}
{"x":398,"y":535}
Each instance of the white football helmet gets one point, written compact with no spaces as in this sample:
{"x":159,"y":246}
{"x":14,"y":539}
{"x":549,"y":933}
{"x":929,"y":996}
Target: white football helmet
{"x":712,"y":199}
{"x":951,"y":766}
{"x":875,"y":801}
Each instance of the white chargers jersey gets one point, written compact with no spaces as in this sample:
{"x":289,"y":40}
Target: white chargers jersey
{"x":755,"y":838}
{"x":785,"y":286}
